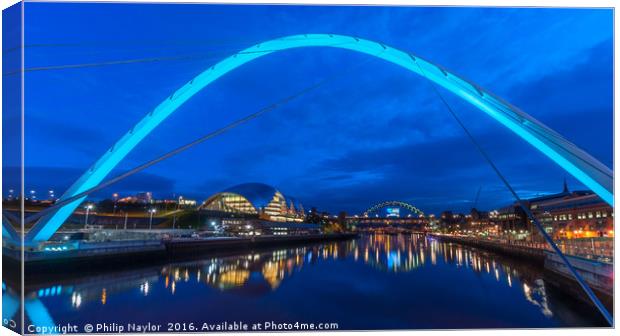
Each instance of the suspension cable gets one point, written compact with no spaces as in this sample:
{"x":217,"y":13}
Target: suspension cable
{"x":586,"y":288}
{"x":203,"y":56}
{"x":141,"y":43}
{"x":252,"y":116}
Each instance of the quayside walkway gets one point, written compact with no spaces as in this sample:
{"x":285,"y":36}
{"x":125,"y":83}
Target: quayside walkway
{"x":592,"y":258}
{"x":598,"y":249}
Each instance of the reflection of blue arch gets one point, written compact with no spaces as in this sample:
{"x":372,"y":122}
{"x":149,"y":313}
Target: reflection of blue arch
{"x":400,"y":204}
{"x":581,"y":165}
{"x":36,"y":310}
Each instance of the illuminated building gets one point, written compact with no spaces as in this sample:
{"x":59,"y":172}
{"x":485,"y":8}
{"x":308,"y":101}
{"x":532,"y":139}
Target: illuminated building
{"x":188,"y":202}
{"x":582,"y":215}
{"x":451,"y":222}
{"x":568,"y":214}
{"x":141,"y":197}
{"x":512,"y":220}
{"x":256,"y":209}
{"x":258,"y":199}
{"x":480,"y":221}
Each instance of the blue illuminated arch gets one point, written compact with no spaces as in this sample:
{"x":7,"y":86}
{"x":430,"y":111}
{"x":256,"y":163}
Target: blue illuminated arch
{"x":578,"y":163}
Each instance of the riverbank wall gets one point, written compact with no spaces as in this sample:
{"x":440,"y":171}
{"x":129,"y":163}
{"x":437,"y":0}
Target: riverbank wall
{"x":519,"y":251}
{"x":118,"y":254}
{"x":183,"y":246}
{"x":598,"y":275}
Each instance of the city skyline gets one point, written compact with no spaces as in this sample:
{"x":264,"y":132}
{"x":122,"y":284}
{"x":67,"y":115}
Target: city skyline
{"x":134,"y":196}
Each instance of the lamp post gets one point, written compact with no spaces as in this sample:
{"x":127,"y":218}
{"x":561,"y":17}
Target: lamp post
{"x":151,"y":212}
{"x":174,"y":218}
{"x":88,"y":208}
{"x":115,"y":197}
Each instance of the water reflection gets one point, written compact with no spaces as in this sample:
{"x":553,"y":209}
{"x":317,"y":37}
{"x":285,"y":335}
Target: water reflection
{"x":258,"y":273}
{"x":10,"y":307}
{"x":538,"y":296}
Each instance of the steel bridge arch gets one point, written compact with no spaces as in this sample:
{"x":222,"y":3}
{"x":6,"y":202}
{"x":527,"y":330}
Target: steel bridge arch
{"x":400,"y":204}
{"x":577,"y":162}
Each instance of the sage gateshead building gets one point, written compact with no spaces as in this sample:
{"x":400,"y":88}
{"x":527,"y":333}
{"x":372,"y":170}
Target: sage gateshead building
{"x":256,"y":208}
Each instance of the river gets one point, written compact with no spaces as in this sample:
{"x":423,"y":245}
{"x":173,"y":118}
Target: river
{"x":373,"y":282}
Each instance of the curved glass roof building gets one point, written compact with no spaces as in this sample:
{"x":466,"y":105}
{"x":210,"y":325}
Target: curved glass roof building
{"x":256,"y":199}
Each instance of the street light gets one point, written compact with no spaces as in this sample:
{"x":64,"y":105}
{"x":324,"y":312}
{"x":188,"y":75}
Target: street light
{"x":174,"y":218}
{"x":151,"y":212}
{"x":115,"y":198}
{"x":88,"y":207}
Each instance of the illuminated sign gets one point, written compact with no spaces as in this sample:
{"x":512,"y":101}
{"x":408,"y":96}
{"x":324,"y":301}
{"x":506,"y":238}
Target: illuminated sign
{"x":393,"y":212}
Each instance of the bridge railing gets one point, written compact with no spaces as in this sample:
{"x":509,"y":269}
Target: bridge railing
{"x":590,"y":248}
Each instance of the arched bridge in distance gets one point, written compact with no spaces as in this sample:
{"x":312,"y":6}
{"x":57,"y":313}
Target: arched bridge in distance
{"x":585,"y":168}
{"x":388,"y":204}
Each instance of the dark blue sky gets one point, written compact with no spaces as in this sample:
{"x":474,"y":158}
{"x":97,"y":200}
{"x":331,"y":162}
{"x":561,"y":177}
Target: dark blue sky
{"x":380,"y":133}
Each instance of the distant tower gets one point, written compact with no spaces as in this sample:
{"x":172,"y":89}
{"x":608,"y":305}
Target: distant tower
{"x":565,"y":187}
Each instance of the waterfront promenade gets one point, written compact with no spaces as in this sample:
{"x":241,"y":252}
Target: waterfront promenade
{"x":594,"y":264}
{"x":599,"y":249}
